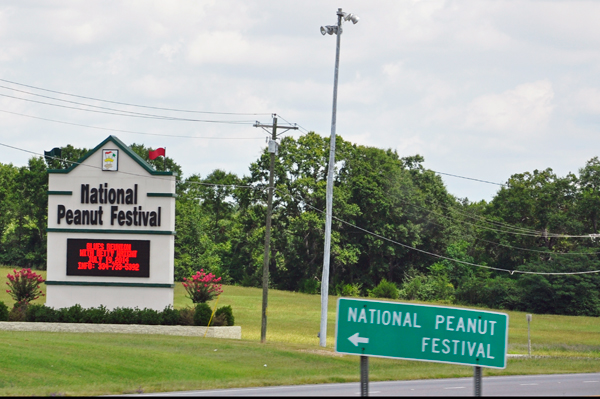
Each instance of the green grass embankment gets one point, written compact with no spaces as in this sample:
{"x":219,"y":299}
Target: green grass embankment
{"x":33,"y":363}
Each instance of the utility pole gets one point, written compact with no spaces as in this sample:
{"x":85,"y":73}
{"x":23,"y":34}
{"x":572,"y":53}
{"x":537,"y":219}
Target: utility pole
{"x":273,"y":151}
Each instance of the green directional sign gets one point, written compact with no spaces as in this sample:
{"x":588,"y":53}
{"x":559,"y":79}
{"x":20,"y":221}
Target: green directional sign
{"x":421,"y":332}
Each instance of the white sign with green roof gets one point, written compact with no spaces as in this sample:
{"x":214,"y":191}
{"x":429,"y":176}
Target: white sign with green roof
{"x":111,"y":222}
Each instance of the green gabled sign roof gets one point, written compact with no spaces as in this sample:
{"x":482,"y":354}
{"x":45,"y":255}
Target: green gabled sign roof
{"x":132,"y":154}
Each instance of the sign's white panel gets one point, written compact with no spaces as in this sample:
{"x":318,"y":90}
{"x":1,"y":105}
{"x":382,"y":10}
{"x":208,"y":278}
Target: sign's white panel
{"x":111,"y":226}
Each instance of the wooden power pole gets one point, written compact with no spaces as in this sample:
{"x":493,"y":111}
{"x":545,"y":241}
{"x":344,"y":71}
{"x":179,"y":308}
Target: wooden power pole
{"x":265,"y":280}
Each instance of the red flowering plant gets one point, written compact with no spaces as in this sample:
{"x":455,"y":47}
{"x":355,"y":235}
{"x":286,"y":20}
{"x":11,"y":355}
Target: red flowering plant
{"x":24,"y":286}
{"x":202,"y":287}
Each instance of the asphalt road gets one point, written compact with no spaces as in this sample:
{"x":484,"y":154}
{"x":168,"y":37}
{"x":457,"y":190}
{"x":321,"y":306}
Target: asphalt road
{"x":526,"y":385}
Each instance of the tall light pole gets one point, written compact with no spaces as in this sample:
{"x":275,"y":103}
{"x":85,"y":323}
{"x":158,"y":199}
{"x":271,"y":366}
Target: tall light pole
{"x":331,"y":29}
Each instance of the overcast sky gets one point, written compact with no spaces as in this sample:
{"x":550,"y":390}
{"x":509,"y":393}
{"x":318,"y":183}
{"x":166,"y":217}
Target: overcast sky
{"x":482,"y":89}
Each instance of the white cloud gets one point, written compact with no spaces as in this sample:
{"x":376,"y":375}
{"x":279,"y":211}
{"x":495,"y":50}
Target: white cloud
{"x":156,"y":87}
{"x":526,"y":108}
{"x":441,"y":78}
{"x":223,"y":47}
{"x":585,"y":100}
{"x":169,"y":51}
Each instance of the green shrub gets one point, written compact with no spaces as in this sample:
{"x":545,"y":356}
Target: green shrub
{"x":149,"y":317}
{"x":70,"y":315}
{"x":427,"y":288}
{"x":385,"y":289}
{"x":170,"y":316}
{"x":219,"y":321}
{"x":352,"y":290}
{"x":30,"y":315}
{"x":63,"y":316}
{"x":18,"y":312}
{"x":202,"y":314}
{"x":310,"y":286}
{"x":199,"y":316}
{"x":186,"y":316}
{"x":225,"y":313}
{"x":3,"y":312}
{"x":41,"y":313}
{"x":97,"y":315}
{"x":123,"y":316}
{"x":502,"y":293}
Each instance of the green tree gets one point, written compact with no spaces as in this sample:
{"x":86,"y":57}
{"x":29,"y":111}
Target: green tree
{"x":373,"y":189}
{"x":203,"y":231}
{"x":161,"y":164}
{"x":8,"y":176}
{"x":589,"y":196}
{"x":527,"y":213}
{"x":562,"y":294}
{"x":216,"y":196}
{"x":24,"y":241}
{"x":69,"y":155}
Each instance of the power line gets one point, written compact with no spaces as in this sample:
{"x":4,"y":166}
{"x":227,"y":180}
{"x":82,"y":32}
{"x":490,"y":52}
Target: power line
{"x":130,"y":173}
{"x":444,"y":257}
{"x":511,"y":246}
{"x":91,"y":106}
{"x":79,"y":163}
{"x":469,"y":178}
{"x":494,"y":222}
{"x":133,"y":105}
{"x":121,"y":113}
{"x":74,"y":102}
{"x":349,"y":224}
{"x":516,"y":231}
{"x":460,"y":261}
{"x":538,"y":251}
{"x":295,"y":124}
{"x":131,"y":131}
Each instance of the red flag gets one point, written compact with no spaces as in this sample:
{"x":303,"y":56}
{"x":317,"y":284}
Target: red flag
{"x":156,"y":153}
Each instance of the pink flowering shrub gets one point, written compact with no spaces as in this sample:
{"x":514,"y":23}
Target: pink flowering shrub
{"x":24,"y":286}
{"x":202,"y":287}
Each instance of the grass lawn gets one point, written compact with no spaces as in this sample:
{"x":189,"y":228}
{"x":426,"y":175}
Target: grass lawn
{"x":36,"y":363}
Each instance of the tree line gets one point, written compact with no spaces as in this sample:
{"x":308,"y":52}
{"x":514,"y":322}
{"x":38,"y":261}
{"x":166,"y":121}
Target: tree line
{"x":384,"y":205}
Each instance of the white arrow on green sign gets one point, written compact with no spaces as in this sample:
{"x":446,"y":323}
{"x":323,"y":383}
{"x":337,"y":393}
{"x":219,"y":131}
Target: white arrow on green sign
{"x":421,"y":332}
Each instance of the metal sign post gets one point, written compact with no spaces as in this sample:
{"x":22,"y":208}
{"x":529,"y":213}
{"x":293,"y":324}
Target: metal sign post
{"x":364,"y":376}
{"x":477,"y":380}
{"x":529,"y":335}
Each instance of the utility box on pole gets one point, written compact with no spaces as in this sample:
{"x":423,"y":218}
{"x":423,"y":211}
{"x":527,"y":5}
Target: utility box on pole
{"x":273,"y":147}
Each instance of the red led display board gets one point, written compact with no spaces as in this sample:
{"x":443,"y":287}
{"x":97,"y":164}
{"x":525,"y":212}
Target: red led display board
{"x":114,"y":258}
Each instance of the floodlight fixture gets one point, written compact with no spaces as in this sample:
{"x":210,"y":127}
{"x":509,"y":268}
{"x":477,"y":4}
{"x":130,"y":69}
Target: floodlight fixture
{"x":329,"y":29}
{"x":352,"y":17}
